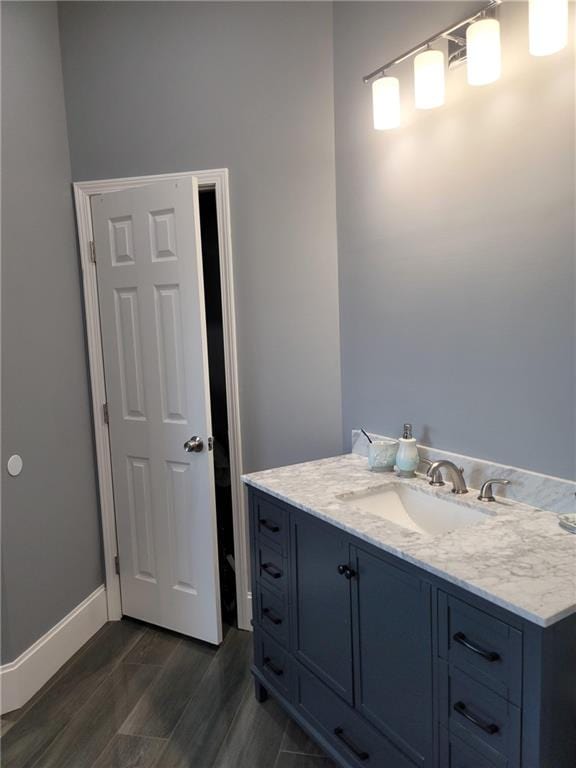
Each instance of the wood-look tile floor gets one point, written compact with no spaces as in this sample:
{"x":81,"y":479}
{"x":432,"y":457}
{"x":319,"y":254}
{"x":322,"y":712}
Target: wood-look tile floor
{"x":138,"y":697}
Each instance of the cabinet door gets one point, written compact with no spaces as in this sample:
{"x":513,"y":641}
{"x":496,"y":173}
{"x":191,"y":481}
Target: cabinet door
{"x":393,"y":653}
{"x":322,"y":638}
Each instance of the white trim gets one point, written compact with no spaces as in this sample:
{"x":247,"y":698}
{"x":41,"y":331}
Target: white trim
{"x":217,"y":180}
{"x":96,"y":365}
{"x":23,"y":677}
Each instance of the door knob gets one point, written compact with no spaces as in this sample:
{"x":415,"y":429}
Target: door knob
{"x":194,"y":445}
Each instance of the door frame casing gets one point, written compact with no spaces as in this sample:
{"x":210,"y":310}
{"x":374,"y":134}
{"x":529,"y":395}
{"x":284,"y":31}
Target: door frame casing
{"x":209,"y":179}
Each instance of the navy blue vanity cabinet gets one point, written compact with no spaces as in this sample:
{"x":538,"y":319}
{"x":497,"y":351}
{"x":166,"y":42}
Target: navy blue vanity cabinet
{"x":388,"y":666}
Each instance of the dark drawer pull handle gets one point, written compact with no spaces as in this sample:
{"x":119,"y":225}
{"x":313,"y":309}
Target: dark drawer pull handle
{"x":272,"y":667}
{"x":270,"y":526}
{"x":271,"y":616}
{"x":272,"y":570}
{"x":345,"y":570}
{"x":360,"y":754}
{"x":461,"y":638}
{"x":490,"y":728}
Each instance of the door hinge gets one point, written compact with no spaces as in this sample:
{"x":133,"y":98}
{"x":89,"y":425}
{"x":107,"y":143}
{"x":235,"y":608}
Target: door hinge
{"x":117,"y":564}
{"x":92,"y":252}
{"x":106,"y":413}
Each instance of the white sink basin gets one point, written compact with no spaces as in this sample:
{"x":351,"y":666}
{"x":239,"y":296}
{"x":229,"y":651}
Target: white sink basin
{"x":412,"y":509}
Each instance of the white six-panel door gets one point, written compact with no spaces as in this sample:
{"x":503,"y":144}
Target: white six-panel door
{"x":149,"y":268}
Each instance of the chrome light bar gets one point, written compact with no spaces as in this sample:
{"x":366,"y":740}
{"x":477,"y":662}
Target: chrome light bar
{"x":445,"y":33}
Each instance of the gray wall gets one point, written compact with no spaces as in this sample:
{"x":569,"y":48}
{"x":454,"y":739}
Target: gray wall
{"x":163,"y":87}
{"x":456,"y":246}
{"x":50,"y":529}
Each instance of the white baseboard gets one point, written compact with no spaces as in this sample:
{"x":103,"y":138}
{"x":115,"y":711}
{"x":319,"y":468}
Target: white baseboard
{"x":22,"y":678}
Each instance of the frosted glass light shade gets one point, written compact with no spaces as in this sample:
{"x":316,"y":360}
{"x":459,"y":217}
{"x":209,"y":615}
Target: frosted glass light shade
{"x":484,"y":52}
{"x":429,"y":80}
{"x":548,"y":26}
{"x":386,"y":103}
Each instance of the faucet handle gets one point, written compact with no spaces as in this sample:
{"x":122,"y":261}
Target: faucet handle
{"x":436,"y":478}
{"x":486,"y":490}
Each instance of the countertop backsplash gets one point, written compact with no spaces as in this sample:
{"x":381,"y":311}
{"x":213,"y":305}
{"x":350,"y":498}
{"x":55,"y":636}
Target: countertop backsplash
{"x":544,"y":491}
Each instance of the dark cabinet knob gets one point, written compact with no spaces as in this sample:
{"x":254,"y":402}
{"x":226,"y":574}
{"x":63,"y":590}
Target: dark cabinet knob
{"x":346,"y":571}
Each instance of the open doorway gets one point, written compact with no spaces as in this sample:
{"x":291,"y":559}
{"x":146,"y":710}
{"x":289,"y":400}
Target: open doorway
{"x":230,"y":524}
{"x":218,"y":403}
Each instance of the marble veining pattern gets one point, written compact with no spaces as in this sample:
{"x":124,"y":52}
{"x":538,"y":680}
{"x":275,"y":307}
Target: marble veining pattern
{"x":518,"y":557}
{"x":544,"y":491}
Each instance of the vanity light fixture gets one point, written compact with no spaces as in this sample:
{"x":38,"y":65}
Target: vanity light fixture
{"x":484,"y":53}
{"x":474,"y":40}
{"x":386,"y":103}
{"x":548,"y":23}
{"x":429,"y":80}
{"x":450,"y":33}
{"x":429,"y":72}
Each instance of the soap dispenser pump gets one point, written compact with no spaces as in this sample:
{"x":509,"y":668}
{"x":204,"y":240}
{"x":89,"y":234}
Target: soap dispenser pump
{"x":407,"y":459}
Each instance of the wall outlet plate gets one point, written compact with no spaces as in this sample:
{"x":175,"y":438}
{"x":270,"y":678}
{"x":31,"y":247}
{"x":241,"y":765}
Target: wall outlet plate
{"x":15,"y":465}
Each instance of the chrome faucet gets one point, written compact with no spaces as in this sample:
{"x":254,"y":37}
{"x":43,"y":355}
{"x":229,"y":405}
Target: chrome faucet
{"x":436,"y":476}
{"x":455,"y":474}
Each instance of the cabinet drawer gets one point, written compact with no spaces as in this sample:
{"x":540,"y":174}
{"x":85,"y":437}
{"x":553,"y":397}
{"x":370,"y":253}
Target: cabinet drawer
{"x":271,"y":523}
{"x":357,"y":743}
{"x":454,"y":753}
{"x":271,"y":567}
{"x":486,"y":648}
{"x":481,"y":718}
{"x":272,"y":614}
{"x":273,"y":662}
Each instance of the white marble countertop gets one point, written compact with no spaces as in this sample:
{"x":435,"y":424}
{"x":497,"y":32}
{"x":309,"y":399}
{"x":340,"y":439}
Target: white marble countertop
{"x":518,"y":558}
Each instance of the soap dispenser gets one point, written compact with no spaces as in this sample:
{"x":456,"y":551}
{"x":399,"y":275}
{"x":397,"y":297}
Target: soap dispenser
{"x":407,"y":459}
